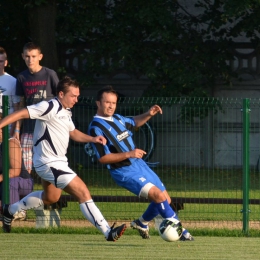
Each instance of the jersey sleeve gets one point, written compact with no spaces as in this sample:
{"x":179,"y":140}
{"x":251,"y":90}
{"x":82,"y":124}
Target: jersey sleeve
{"x":19,"y":87}
{"x":54,"y":82}
{"x":42,"y":110}
{"x":128,"y":122}
{"x":100,"y":149}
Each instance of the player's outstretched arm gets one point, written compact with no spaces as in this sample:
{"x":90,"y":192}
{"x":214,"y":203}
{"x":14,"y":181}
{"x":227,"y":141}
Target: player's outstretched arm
{"x":80,"y":137}
{"x":20,"y":114}
{"x":119,"y":157}
{"x":143,"y":118}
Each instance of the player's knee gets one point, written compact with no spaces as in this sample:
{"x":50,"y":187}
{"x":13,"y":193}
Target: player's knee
{"x":156,"y":195}
{"x":146,"y":190}
{"x":50,"y":199}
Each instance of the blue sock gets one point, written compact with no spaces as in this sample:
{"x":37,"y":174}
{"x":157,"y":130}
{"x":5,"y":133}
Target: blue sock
{"x":162,"y":208}
{"x":151,"y":212}
{"x":165,"y":210}
{"x":184,"y":231}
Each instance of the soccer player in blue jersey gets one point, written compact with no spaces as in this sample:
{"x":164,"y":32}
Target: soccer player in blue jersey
{"x":124,"y":160}
{"x":53,"y":129}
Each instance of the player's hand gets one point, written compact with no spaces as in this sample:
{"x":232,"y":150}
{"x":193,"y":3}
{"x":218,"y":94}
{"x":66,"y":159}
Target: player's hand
{"x":154,"y":110}
{"x":137,"y":153}
{"x":99,"y":139}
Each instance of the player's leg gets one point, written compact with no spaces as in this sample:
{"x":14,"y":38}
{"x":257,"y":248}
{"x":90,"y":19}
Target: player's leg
{"x":79,"y":190}
{"x":51,"y":193}
{"x":163,"y":208}
{"x":159,"y":206}
{"x":145,"y":183}
{"x":35,"y":199}
{"x":134,"y":178}
{"x":32,"y":200}
{"x":186,"y":236}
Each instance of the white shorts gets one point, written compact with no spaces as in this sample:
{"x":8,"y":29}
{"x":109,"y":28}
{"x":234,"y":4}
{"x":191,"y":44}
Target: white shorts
{"x":57,"y":173}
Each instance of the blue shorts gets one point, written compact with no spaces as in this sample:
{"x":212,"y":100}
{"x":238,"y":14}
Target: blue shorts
{"x":136,"y":176}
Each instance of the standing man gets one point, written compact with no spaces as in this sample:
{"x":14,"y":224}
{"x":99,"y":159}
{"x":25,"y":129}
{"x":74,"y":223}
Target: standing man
{"x":20,"y":183}
{"x":53,"y":129}
{"x":7,"y":85}
{"x":35,"y":84}
{"x":124,"y":160}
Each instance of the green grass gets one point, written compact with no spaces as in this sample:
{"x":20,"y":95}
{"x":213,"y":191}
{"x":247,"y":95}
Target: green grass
{"x":153,"y":232}
{"x":93,"y":246}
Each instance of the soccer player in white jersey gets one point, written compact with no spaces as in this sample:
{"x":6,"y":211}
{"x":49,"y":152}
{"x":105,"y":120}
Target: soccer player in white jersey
{"x":53,"y":129}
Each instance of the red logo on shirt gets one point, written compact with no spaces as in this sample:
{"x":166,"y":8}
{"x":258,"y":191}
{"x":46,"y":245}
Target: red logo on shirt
{"x":35,"y":83}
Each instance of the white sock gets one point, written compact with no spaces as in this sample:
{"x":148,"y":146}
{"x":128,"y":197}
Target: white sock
{"x":185,"y":232}
{"x":32,"y":200}
{"x":144,"y":222}
{"x":93,"y":215}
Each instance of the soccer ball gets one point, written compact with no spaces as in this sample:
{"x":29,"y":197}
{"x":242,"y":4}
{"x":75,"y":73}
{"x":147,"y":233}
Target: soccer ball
{"x":170,"y":231}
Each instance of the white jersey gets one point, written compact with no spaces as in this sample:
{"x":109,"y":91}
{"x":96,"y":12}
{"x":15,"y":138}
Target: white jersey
{"x":51,"y":132}
{"x":8,"y":88}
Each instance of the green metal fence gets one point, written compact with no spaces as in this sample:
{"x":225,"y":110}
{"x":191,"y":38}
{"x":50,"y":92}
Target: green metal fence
{"x":206,"y":151}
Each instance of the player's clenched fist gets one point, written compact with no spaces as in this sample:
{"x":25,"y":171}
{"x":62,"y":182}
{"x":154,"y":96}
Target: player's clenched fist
{"x":100,"y":139}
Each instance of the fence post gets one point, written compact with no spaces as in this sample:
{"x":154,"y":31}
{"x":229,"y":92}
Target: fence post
{"x":246,"y":178}
{"x":6,"y":198}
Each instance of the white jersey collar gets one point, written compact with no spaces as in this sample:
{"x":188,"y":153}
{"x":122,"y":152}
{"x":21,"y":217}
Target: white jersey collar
{"x":108,"y":118}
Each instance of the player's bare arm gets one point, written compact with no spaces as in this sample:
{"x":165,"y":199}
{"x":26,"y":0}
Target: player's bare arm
{"x":119,"y":157}
{"x":18,"y":115}
{"x":80,"y":137}
{"x":143,"y":118}
{"x":13,"y":128}
{"x":15,"y":159}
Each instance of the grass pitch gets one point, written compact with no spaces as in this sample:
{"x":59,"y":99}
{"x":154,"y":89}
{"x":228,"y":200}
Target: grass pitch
{"x":87,"y":246}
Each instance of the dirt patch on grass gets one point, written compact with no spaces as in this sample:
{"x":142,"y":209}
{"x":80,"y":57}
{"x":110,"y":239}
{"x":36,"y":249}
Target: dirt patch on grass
{"x":186,"y":224}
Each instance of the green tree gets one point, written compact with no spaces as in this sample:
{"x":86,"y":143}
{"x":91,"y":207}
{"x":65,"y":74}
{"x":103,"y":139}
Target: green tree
{"x":24,"y":21}
{"x":42,"y":23}
{"x":182,"y":52}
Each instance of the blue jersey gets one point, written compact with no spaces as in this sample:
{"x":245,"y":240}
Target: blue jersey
{"x":118,"y":131}
{"x":133,"y":173}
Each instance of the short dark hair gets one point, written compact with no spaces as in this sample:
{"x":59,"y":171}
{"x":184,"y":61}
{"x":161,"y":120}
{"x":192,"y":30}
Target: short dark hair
{"x":65,"y":83}
{"x":105,"y":89}
{"x":2,"y":51}
{"x":32,"y":46}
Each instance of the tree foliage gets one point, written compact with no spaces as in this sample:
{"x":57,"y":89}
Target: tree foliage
{"x":181,"y":46}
